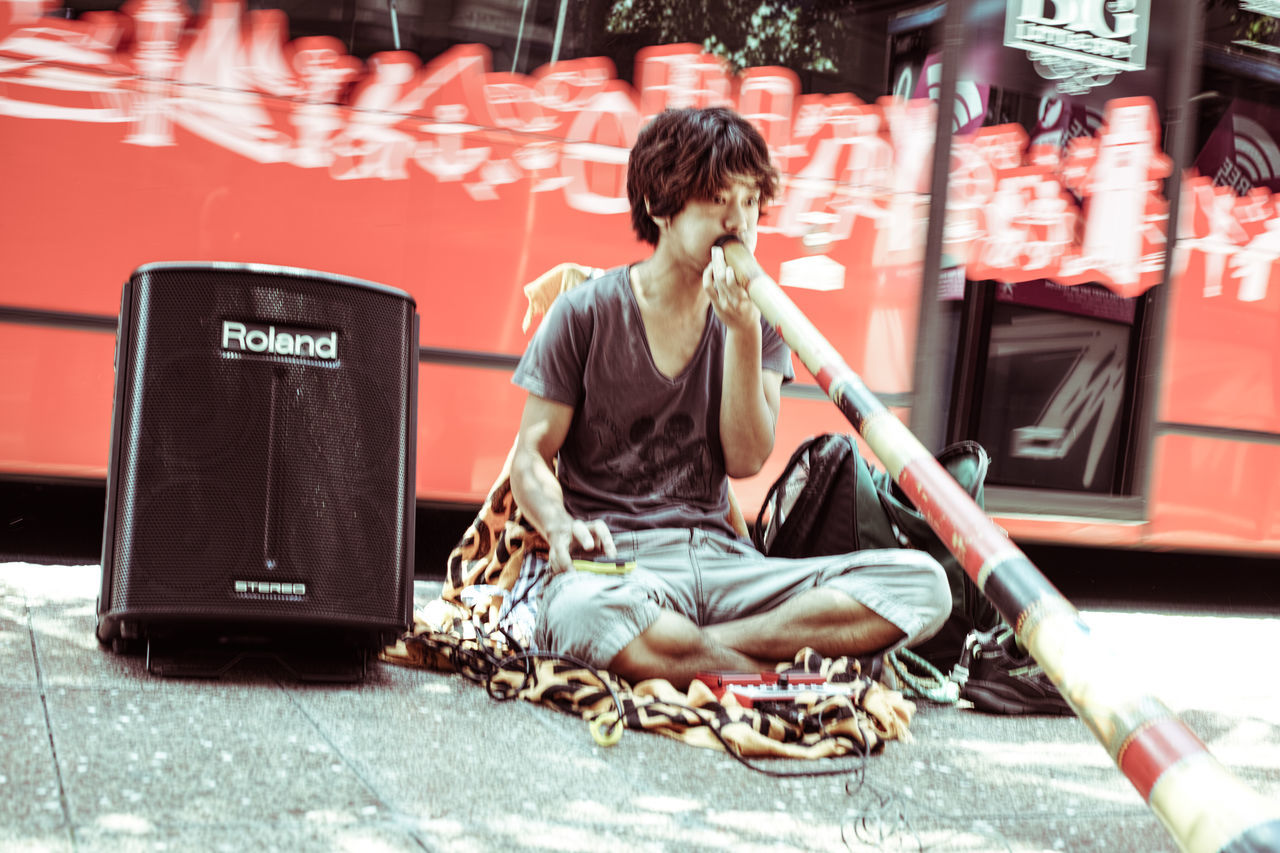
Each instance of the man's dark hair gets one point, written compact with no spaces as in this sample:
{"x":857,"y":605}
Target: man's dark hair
{"x":691,"y":154}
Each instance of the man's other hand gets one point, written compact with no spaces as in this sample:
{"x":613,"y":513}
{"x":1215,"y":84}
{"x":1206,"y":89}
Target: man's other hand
{"x":580,"y":538}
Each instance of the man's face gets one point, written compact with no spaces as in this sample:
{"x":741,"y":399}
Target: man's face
{"x":735,"y":209}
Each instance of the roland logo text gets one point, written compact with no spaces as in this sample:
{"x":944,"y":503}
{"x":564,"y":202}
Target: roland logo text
{"x":256,"y":338}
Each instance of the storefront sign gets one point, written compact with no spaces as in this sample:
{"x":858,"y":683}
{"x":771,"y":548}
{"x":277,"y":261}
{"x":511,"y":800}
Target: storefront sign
{"x":1080,"y":44}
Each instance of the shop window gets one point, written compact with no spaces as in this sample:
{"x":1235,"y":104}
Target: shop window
{"x":1049,"y":392}
{"x":1054,"y":395}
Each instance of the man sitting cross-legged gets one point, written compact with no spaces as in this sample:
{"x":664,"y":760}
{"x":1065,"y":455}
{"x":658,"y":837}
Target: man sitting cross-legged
{"x":648,"y":387}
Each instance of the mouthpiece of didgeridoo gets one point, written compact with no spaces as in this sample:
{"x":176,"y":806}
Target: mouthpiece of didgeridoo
{"x":743,"y":262}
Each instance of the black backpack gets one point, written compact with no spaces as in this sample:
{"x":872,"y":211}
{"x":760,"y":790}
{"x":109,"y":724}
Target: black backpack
{"x":828,"y":500}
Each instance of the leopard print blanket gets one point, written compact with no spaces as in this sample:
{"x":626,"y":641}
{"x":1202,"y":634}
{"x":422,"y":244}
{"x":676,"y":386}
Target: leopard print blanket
{"x":464,"y":631}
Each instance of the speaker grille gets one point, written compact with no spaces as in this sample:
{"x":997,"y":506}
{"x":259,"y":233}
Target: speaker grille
{"x":263,"y":483}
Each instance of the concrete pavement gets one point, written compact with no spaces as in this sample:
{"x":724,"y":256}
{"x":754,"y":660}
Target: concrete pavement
{"x":96,"y":754}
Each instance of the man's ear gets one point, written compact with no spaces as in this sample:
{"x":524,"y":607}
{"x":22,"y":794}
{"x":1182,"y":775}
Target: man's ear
{"x":660,"y":221}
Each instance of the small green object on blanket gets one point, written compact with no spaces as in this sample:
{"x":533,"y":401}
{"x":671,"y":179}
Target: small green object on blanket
{"x":605,"y":567}
{"x":606,"y":729}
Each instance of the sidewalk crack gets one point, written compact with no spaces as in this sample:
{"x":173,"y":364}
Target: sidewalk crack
{"x":48,"y":722}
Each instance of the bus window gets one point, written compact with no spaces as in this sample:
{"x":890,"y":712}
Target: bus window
{"x":832,"y":47}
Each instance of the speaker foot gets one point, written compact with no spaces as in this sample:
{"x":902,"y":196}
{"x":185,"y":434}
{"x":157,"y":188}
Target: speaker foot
{"x":322,"y":663}
{"x":125,"y":646}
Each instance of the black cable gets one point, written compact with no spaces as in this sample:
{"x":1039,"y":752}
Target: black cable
{"x":887,"y":820}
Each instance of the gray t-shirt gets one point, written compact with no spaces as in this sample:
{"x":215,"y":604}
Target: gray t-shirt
{"x":643,"y":450}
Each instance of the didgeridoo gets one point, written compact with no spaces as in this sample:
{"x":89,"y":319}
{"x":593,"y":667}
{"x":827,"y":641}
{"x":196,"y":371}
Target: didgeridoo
{"x":1201,"y":804}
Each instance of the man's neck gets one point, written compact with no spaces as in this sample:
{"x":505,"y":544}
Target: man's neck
{"x":662,"y":281}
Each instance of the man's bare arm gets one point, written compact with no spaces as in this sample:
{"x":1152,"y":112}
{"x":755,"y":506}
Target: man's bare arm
{"x":543,"y":427}
{"x":749,"y":398}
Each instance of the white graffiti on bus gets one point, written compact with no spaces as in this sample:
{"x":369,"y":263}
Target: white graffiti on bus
{"x":234,"y":79}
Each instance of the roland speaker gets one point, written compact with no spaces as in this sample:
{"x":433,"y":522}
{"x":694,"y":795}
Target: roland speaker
{"x":261,"y":474}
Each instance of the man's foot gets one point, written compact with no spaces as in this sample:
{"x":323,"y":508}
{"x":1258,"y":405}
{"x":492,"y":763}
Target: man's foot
{"x":999,"y":678}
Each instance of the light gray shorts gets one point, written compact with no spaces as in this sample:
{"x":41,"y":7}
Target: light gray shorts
{"x":709,"y":578}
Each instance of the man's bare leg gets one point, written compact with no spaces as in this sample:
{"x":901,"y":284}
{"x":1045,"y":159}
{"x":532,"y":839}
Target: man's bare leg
{"x":676,"y":649}
{"x":825,"y":620}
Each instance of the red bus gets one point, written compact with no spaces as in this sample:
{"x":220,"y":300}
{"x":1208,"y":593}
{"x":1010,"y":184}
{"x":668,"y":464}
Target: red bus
{"x":1097,"y":307}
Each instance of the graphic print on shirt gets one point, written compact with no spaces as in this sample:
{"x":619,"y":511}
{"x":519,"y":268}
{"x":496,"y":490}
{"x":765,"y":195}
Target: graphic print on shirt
{"x":655,"y":457}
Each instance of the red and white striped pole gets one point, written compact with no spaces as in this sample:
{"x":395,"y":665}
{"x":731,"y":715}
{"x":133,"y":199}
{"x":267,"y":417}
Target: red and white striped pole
{"x":1203,"y":806}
